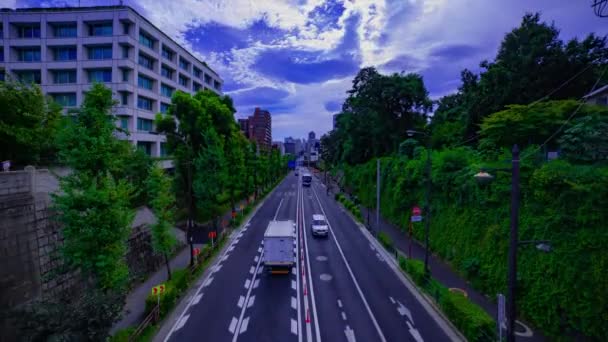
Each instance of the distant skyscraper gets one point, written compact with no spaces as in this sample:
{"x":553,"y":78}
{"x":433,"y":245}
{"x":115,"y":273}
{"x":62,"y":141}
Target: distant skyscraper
{"x":290,"y":146}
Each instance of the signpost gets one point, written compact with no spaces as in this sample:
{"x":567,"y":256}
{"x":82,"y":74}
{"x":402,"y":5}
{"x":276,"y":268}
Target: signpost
{"x":157,"y":290}
{"x":212,"y":235}
{"x":416,"y":212}
{"x":502,"y":317}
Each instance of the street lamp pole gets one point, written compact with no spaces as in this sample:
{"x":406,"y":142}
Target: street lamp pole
{"x":511,"y":291}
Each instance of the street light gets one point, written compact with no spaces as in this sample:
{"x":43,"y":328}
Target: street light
{"x":427,"y":207}
{"x":483,"y":177}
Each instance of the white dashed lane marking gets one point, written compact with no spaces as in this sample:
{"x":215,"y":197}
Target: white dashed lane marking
{"x":232,"y":325}
{"x":182,"y":322}
{"x":208,"y":282}
{"x":241,"y":301}
{"x":247,"y":283}
{"x":197,"y":298}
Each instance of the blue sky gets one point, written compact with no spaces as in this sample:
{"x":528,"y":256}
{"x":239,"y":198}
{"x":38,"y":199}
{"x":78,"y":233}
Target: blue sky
{"x":297,"y":58}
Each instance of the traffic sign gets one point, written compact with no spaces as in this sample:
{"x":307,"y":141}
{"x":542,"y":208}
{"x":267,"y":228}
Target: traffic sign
{"x":196,"y":251}
{"x":212,"y":234}
{"x":417,"y":218}
{"x":158,"y":289}
{"x":416,"y":211}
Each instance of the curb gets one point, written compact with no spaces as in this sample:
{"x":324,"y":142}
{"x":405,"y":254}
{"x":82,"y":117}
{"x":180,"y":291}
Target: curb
{"x":166,"y":329}
{"x":455,"y":335}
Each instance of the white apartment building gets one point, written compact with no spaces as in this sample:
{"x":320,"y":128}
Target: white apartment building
{"x":65,"y":50}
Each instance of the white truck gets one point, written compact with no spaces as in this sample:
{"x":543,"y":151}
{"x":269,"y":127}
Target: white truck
{"x":279,"y":246}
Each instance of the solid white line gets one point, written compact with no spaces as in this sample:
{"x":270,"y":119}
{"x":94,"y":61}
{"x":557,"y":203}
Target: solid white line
{"x":339,"y":303}
{"x":232,"y":325}
{"x":277,"y":213}
{"x":311,"y":287}
{"x":294,"y":326}
{"x":297,"y":272}
{"x":182,"y":322}
{"x":350,"y":271}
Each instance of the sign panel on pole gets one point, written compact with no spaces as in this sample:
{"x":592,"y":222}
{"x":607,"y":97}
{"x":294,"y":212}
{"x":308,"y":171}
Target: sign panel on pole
{"x":416,"y":218}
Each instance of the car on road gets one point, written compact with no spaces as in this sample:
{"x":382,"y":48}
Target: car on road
{"x":319,"y":226}
{"x":306,"y":179}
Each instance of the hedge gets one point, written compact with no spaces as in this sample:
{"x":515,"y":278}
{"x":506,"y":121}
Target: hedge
{"x":386,"y":241}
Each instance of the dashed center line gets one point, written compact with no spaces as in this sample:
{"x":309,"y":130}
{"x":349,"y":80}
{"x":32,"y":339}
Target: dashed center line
{"x":343,"y":315}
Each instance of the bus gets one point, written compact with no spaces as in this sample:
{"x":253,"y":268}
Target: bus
{"x":306,"y":179}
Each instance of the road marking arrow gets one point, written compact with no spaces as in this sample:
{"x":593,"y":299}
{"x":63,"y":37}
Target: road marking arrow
{"x":405,"y":312}
{"x":414,"y":332}
{"x":350,"y":334}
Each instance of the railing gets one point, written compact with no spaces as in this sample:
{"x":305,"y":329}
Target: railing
{"x":152,"y":317}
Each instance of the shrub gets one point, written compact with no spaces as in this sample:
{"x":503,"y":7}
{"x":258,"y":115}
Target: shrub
{"x":181,"y":279}
{"x":474,"y":323}
{"x":122,"y":335}
{"x":385,"y":240}
{"x":415,"y":268}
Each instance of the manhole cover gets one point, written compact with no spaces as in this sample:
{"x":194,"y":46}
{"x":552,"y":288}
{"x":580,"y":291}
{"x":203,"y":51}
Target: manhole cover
{"x":321,"y":258}
{"x":325,"y":277}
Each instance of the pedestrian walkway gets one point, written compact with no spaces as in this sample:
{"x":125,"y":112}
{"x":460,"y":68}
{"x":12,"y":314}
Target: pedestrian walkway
{"x":133,"y":312}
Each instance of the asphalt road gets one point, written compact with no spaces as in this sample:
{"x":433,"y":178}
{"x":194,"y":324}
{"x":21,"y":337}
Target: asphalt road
{"x":342,"y":289}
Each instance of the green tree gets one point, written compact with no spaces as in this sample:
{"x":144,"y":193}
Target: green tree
{"x":586,"y":140}
{"x":210,"y":176}
{"x":162,"y":202}
{"x":28,"y":124}
{"x":235,"y":152}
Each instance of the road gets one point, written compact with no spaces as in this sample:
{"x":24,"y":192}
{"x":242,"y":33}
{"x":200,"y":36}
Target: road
{"x":342,"y":289}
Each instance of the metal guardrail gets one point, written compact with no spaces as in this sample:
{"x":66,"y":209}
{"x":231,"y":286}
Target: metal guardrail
{"x":152,"y":317}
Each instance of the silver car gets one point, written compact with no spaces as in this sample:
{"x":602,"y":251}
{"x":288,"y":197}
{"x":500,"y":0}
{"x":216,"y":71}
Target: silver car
{"x":319,"y":225}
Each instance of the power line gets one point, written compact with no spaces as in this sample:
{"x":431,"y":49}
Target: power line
{"x":568,"y":119}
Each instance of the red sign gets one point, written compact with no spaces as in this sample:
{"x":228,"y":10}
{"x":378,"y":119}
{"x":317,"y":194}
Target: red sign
{"x":156,"y":290}
{"x":196,"y":251}
{"x":212,"y":235}
{"x":416,"y":211}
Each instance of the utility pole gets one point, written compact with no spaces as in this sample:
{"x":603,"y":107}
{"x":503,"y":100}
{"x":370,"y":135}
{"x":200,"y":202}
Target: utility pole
{"x":190,"y":213}
{"x":511,"y":311}
{"x":427,"y":209}
{"x":378,"y":195}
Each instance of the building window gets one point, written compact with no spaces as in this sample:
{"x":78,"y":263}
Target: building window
{"x":207,"y":79}
{"x":167,"y":53}
{"x":100,"y":75}
{"x":144,"y":125}
{"x":165,"y":90}
{"x":217,"y":85}
{"x":183,"y":81}
{"x":100,"y":52}
{"x":64,"y":76}
{"x":146,"y":61}
{"x":124,"y":98}
{"x":28,"y":76}
{"x":125,"y":75}
{"x":125,"y":51}
{"x":196,"y":86}
{"x":166,"y":72}
{"x":163,"y":149}
{"x":144,"y":103}
{"x":65,"y":30}
{"x":1,"y":31}
{"x":65,"y":53}
{"x":124,"y":123}
{"x":184,"y":64}
{"x":65,"y":99}
{"x":146,"y":147}
{"x":146,"y":40}
{"x":144,"y":82}
{"x":100,"y":29}
{"x":125,"y":28}
{"x":197,"y":72}
{"x":1,"y":54}
{"x":164,"y":108}
{"x":28,"y":31}
{"x":28,"y":54}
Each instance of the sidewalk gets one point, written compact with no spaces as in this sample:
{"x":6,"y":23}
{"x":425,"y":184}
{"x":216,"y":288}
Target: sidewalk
{"x":133,"y":312}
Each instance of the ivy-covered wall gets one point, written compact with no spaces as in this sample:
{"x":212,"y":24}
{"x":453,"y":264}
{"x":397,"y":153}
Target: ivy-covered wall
{"x":562,"y":292}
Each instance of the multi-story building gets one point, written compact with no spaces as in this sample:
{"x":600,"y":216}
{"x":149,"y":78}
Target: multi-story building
{"x":245,"y":127}
{"x":289,"y":146}
{"x":258,"y":128}
{"x":65,"y":50}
